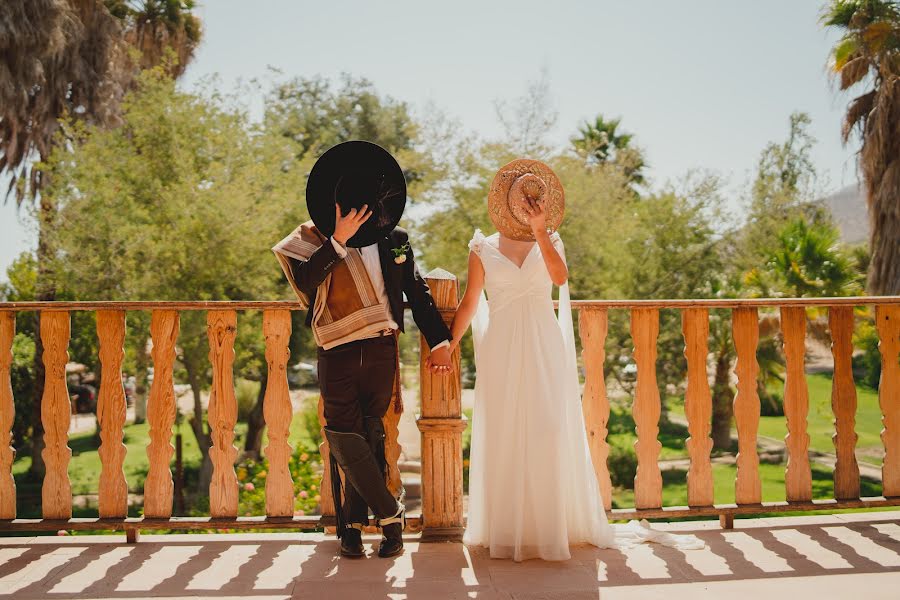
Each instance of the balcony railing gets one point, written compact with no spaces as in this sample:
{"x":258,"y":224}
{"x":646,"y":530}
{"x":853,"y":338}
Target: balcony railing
{"x":441,"y":420}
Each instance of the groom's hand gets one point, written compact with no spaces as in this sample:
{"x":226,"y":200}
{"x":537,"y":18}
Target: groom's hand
{"x":346,"y":226}
{"x":439,"y":361}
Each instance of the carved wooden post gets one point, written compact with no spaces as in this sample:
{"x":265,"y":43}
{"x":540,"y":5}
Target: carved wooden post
{"x":745,"y":329}
{"x":441,"y":423}
{"x":221,"y":329}
{"x":887,"y":321}
{"x":158,"y":487}
{"x":56,"y":412}
{"x":278,"y":411}
{"x":797,"y":475}
{"x":698,"y":406}
{"x":111,"y":414}
{"x":843,"y":404}
{"x":647,"y":409}
{"x":592,"y":328}
{"x":7,"y":416}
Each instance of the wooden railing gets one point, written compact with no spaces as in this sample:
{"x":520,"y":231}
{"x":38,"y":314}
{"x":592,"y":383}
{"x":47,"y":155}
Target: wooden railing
{"x":698,"y":404}
{"x":441,"y":421}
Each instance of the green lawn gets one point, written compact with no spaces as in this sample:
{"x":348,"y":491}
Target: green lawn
{"x":84,"y":467}
{"x":820,"y":422}
{"x":771,"y":477}
{"x":621,"y":433}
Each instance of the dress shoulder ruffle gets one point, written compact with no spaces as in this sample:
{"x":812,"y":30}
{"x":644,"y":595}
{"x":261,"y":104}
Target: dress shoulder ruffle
{"x":477,"y":242}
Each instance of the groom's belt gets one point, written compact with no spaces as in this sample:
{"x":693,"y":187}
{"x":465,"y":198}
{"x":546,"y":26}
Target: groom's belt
{"x":377,"y":335}
{"x":383,"y":333}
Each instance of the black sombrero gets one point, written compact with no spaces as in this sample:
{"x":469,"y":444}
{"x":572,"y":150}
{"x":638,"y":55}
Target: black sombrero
{"x":352,"y":174}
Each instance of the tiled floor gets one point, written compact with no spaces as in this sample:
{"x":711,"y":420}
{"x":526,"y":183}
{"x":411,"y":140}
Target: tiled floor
{"x":839,"y":556}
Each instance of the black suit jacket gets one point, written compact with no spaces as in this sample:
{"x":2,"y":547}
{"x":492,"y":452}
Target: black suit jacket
{"x":398,"y":280}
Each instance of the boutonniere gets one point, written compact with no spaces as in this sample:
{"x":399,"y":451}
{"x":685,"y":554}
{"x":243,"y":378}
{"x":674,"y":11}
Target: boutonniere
{"x":400,"y":253}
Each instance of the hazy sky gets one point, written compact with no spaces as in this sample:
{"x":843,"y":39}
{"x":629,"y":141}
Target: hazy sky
{"x":701,"y":83}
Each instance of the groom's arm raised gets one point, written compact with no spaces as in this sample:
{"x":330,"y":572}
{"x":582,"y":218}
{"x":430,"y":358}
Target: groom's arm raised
{"x":310,"y":274}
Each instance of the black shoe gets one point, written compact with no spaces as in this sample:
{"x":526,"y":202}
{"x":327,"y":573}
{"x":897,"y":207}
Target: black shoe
{"x":351,"y":543}
{"x":391,"y":540}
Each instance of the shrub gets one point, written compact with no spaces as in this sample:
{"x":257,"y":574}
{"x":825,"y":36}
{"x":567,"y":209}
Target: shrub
{"x":23,"y":383}
{"x":622,"y":463}
{"x":771,"y":404}
{"x":246,"y":392}
{"x":306,"y":472}
{"x":867,"y":363}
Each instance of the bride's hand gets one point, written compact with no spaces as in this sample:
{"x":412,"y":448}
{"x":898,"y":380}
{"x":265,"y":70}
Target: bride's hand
{"x":537,"y":216}
{"x":439,"y":361}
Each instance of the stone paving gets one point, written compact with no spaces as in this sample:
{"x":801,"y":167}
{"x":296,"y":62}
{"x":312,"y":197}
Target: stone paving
{"x":834,"y":556}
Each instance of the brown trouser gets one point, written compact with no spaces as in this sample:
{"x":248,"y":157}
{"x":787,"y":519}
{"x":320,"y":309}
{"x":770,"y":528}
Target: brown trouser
{"x":357,"y":381}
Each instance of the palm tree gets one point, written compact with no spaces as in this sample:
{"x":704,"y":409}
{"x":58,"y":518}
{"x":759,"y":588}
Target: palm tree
{"x":603,"y":142}
{"x":157,"y":27}
{"x":868,"y":56}
{"x":57,"y":57}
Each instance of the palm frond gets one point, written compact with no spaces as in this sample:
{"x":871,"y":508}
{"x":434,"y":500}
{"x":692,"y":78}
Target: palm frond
{"x":854,"y":71}
{"x":845,"y":50}
{"x":877,"y":34}
{"x":857,"y":113}
{"x":840,"y":13}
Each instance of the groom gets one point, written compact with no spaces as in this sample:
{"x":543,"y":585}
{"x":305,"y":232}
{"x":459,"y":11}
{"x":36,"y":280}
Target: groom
{"x":350,"y":266}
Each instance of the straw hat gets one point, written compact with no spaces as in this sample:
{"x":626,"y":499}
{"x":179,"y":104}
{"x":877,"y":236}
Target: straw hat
{"x":352,"y":174}
{"x":516,"y":182}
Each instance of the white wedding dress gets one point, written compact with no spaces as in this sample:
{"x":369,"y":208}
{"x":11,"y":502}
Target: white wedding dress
{"x":532,"y":488}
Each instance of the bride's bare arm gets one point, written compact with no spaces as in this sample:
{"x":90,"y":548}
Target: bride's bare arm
{"x":555,"y":264}
{"x":469,"y":303}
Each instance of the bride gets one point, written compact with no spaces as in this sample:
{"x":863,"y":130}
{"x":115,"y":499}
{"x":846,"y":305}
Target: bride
{"x":532,"y":489}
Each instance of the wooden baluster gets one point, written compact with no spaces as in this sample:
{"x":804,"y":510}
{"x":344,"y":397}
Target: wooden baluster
{"x":158,"y":487}
{"x":887,"y":319}
{"x":797,"y":475}
{"x":648,"y":481}
{"x":441,"y":423}
{"x":111,"y":414}
{"x":221,"y":329}
{"x":278,"y":412}
{"x":592,"y":328}
{"x":843,"y":404}
{"x":56,"y":413}
{"x":7,"y":416}
{"x":745,"y":328}
{"x":698,"y":406}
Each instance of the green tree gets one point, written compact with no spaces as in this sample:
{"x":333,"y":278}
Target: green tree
{"x":868,"y":56}
{"x":316,"y":114}
{"x":181,"y":202}
{"x":783,"y":189}
{"x":807,"y":261}
{"x":672,"y":251}
{"x":59,"y":59}
{"x":602,"y":141}
{"x":528,"y":119}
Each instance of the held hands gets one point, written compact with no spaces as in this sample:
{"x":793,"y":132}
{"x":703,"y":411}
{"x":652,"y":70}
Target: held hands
{"x":345,"y":227}
{"x":439,"y":361}
{"x":537,"y":217}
